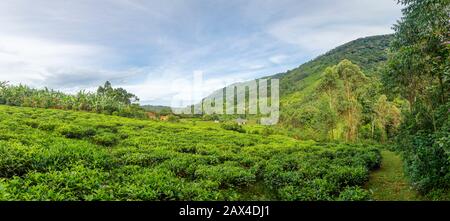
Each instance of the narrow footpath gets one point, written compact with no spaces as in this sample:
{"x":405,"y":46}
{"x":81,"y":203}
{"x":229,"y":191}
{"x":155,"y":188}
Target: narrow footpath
{"x":389,"y":183}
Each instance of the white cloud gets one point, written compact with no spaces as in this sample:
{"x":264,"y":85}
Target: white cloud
{"x":31,"y":60}
{"x":278,"y":59}
{"x":145,"y":46}
{"x":318,"y":31}
{"x":315,"y":39}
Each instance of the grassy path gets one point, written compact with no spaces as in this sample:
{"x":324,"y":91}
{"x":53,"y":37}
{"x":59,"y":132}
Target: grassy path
{"x":388,"y":183}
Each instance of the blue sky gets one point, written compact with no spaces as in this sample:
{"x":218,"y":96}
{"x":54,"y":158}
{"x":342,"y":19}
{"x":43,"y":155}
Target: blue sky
{"x":152,"y":48}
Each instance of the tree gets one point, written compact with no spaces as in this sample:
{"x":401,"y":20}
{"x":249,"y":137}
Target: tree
{"x":345,"y":86}
{"x":386,"y":115}
{"x":3,"y":84}
{"x":418,"y":70}
{"x":107,"y":100}
{"x":353,"y":79}
{"x":329,"y":85}
{"x":419,"y":52}
{"x":119,"y":94}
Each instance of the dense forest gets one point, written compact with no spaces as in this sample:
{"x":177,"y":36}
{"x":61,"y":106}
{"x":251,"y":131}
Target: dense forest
{"x":338,"y":113}
{"x":418,"y":70}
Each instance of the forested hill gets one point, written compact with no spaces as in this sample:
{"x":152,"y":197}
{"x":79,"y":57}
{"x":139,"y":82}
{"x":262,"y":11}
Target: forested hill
{"x":313,"y":100}
{"x":315,"y":111}
{"x":368,"y":53}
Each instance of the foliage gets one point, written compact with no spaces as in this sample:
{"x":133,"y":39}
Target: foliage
{"x":345,"y":104}
{"x":368,"y":53}
{"x":307,"y":114}
{"x":233,"y":126}
{"x":107,"y":100}
{"x":322,"y":101}
{"x":354,"y":194}
{"x":118,"y":94}
{"x":173,"y":118}
{"x":68,"y":155}
{"x":418,"y":70}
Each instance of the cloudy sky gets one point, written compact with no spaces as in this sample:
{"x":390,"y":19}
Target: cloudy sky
{"x":152,"y":48}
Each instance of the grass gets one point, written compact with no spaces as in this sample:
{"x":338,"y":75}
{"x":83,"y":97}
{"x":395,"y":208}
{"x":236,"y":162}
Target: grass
{"x":388,"y":183}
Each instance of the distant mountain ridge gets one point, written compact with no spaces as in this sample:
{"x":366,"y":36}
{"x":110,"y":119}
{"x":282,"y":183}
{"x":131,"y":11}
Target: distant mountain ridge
{"x":157,"y":108}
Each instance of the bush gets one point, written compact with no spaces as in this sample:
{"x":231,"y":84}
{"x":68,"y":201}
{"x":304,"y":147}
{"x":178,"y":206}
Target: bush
{"x":348,"y":176}
{"x":354,"y":194}
{"x":74,"y":184}
{"x":76,"y":132}
{"x":161,"y":161}
{"x":62,"y":154}
{"x":267,"y":131}
{"x":105,"y":139}
{"x":47,"y":126}
{"x":426,"y":152}
{"x":173,"y":118}
{"x":233,"y":127}
{"x":315,"y":190}
{"x":226,"y":175}
{"x":15,"y":159}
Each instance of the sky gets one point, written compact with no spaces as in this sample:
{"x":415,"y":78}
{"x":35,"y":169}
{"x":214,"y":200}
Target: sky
{"x":153,"y":48}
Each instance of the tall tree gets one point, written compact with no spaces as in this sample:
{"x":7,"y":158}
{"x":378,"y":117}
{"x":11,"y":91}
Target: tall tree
{"x":118,"y":94}
{"x":420,"y":51}
{"x":353,"y":79}
{"x":418,"y":70}
{"x":329,"y":85}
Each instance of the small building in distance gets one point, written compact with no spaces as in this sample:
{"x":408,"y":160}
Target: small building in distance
{"x":241,"y":121}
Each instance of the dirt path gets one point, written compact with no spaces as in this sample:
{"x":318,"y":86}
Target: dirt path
{"x":388,"y":183}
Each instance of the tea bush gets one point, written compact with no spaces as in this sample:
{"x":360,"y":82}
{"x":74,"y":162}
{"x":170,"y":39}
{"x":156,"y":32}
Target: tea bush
{"x":233,"y":126}
{"x":68,"y":155}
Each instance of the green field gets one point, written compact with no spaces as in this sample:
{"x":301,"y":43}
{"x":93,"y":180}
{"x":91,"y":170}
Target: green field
{"x":67,"y":155}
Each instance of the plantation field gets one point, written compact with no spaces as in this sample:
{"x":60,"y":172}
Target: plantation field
{"x":67,"y":155}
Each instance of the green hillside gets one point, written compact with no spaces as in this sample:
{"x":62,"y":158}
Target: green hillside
{"x":303,"y":107}
{"x":299,"y":84}
{"x":368,"y":53}
{"x":303,"y":104}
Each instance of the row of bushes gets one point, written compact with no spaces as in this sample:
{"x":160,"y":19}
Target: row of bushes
{"x":64,"y":155}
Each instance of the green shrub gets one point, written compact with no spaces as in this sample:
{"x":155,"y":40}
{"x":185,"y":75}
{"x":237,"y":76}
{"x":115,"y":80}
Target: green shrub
{"x":233,"y":127}
{"x":62,"y":154}
{"x":47,"y":126}
{"x":166,"y":161}
{"x":105,"y":139}
{"x":226,"y":175}
{"x":347,"y":176}
{"x":76,"y":132}
{"x":267,"y":131}
{"x":173,"y":118}
{"x":76,"y":183}
{"x":314,"y":190}
{"x":15,"y":159}
{"x":354,"y":194}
